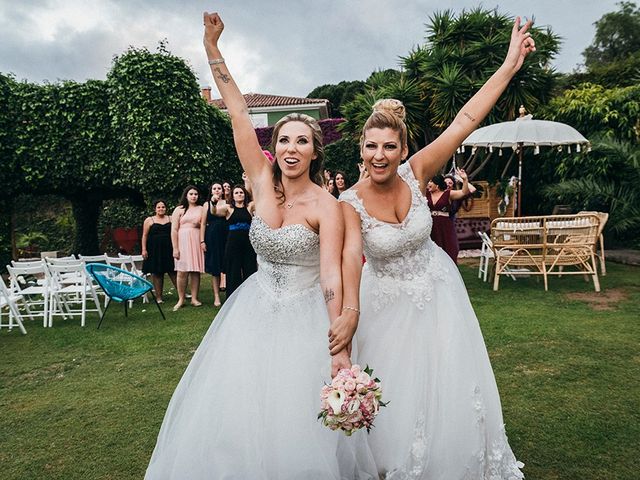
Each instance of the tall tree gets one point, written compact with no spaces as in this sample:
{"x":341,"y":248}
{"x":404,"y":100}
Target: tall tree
{"x":65,"y":147}
{"x":617,"y":36}
{"x":338,"y":94}
{"x":168,"y":136}
{"x":592,"y":109}
{"x":460,"y":53}
{"x":9,"y":178}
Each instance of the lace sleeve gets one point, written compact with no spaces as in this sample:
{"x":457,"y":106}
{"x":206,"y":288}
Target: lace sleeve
{"x":406,"y":172}
{"x":350,"y":197}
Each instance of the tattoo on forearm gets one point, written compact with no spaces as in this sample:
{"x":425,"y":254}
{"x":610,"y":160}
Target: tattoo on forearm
{"x":328,"y":295}
{"x":222,"y":76}
{"x":469,"y":116}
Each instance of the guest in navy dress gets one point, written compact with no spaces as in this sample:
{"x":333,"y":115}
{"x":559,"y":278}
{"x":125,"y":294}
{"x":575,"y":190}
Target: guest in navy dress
{"x":239,"y":255}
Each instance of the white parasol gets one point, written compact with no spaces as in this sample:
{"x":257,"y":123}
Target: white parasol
{"x":526,"y":132}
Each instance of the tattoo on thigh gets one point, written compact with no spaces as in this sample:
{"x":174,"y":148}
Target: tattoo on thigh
{"x":222,"y":76}
{"x":328,"y":295}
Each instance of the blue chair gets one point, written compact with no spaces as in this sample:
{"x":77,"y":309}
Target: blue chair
{"x":120,"y":285}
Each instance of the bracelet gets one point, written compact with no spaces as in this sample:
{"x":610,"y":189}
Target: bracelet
{"x":351,"y":308}
{"x":216,"y":61}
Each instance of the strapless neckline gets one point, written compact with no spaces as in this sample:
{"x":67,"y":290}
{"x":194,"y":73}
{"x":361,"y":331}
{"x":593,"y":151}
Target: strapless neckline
{"x":282,"y":227}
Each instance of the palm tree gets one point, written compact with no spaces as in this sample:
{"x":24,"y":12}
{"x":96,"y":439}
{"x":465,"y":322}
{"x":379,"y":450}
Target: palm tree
{"x":460,"y":53}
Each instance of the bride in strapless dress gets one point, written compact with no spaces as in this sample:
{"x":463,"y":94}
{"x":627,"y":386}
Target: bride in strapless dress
{"x":246,"y":406}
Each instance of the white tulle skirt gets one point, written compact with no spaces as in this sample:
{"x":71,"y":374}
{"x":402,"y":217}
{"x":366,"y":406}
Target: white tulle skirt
{"x":247,"y":404}
{"x":444,"y":419}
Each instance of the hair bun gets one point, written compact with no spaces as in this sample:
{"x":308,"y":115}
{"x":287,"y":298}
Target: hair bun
{"x":392,"y":106}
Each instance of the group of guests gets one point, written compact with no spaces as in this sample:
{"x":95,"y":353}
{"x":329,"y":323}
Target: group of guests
{"x":337,"y":182}
{"x":210,"y":236}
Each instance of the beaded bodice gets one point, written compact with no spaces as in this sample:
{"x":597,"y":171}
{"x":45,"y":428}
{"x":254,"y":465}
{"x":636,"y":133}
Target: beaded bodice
{"x":288,"y":257}
{"x":400,"y":256}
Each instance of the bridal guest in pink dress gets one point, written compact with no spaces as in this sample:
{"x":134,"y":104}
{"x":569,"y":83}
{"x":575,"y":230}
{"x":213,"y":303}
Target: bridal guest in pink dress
{"x":187,"y":249}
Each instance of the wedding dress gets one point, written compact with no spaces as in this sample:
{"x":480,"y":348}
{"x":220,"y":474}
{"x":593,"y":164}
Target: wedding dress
{"x":420,"y":334}
{"x":246,"y":407}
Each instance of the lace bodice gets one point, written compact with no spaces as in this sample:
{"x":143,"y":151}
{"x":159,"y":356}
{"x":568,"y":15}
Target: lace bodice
{"x":288,"y":257}
{"x":400,"y":256}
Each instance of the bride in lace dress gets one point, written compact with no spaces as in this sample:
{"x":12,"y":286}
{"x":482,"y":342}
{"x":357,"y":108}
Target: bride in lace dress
{"x":418,"y":329}
{"x":246,"y":406}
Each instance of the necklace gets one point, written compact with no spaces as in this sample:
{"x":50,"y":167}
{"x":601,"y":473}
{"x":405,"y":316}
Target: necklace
{"x":291,"y":204}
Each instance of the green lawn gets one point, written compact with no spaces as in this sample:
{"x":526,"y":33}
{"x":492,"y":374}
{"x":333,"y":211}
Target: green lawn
{"x":78,"y":403}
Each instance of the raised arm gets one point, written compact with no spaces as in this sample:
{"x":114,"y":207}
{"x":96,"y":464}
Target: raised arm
{"x":343,"y":329}
{"x":428,"y":161}
{"x":331,"y":230}
{"x":249,"y":150}
{"x":462,"y":193}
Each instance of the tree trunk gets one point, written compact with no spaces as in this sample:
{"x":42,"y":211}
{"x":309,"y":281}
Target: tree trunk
{"x":12,"y":232}
{"x":85,"y":212}
{"x":7,"y":233}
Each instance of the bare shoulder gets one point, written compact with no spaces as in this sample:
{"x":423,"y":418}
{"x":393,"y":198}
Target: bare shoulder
{"x":323,"y":195}
{"x":361,"y":185}
{"x":178,"y":211}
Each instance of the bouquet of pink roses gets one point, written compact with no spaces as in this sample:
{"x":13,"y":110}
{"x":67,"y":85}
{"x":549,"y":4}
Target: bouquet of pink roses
{"x":352,"y":400}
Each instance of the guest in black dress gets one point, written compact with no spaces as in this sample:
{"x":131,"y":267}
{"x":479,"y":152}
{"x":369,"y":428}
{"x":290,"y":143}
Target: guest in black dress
{"x":157,"y":249}
{"x":213,"y":234}
{"x":239,"y":256}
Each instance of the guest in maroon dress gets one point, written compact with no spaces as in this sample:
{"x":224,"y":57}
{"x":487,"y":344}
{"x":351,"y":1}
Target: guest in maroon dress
{"x":440,"y":199}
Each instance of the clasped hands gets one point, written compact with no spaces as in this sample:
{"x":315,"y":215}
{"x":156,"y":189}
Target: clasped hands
{"x":340,"y":335}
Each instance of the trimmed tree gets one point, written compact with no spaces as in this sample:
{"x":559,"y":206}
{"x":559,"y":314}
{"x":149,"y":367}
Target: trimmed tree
{"x":64,"y":147}
{"x":168,"y":137}
{"x":143,"y":132}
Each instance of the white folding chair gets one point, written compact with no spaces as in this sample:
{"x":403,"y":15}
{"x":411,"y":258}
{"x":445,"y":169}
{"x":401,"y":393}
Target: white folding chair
{"x":96,"y":259}
{"x":32,"y":283}
{"x":62,"y":261}
{"x":12,"y":302}
{"x":93,"y":258}
{"x":132,"y":262}
{"x":71,"y":291}
{"x":486,"y":255}
{"x":126,"y":262}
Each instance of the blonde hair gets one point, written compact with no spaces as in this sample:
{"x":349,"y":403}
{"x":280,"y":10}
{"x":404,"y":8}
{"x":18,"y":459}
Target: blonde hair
{"x":387,"y":113}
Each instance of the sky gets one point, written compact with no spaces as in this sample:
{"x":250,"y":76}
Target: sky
{"x":272,"y":47}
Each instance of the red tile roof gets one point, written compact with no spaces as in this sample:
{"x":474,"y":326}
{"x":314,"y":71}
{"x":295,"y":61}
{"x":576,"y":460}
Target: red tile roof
{"x":257,"y":100}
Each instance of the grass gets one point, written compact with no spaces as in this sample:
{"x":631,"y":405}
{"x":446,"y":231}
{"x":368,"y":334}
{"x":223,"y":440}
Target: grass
{"x":78,"y":403}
